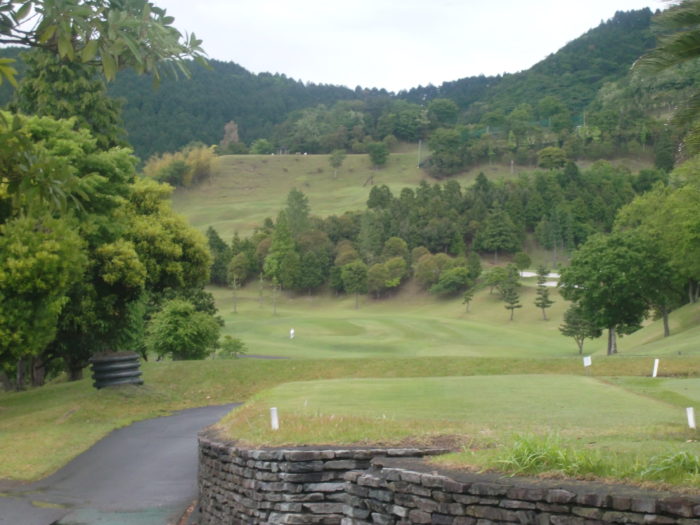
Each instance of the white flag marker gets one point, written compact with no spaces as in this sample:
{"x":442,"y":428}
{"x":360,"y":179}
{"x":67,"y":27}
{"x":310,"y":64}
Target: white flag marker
{"x":690,"y":411}
{"x":274,"y":420}
{"x":587,"y":361}
{"x":656,"y":368}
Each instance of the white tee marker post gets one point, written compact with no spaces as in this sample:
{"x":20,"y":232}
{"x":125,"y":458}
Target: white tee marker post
{"x":587,"y":362}
{"x":274,"y":420}
{"x":690,"y":412}
{"x":656,"y":368}
{"x":291,"y":333}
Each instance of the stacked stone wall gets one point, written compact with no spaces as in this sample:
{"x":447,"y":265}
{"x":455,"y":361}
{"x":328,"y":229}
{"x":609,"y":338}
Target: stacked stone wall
{"x":410,"y":492}
{"x":392,"y":486}
{"x":279,"y":485}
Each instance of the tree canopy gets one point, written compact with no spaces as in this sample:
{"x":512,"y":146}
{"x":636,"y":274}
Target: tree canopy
{"x":133,"y":34}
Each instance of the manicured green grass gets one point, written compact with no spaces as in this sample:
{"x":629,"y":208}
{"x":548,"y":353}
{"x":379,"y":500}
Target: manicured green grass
{"x":513,"y":403}
{"x":41,"y":429}
{"x":593,"y":426}
{"x":414,"y":323}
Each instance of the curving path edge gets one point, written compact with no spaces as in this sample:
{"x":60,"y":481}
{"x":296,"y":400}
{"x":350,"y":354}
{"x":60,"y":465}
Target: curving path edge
{"x":143,"y":474}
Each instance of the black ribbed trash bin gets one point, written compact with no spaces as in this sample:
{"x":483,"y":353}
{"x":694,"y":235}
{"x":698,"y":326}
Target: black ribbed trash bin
{"x":118,"y":368}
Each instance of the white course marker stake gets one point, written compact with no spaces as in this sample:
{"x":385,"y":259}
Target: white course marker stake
{"x":656,"y":368}
{"x":690,"y":411}
{"x":274,"y":420}
{"x":291,"y":333}
{"x":587,"y":361}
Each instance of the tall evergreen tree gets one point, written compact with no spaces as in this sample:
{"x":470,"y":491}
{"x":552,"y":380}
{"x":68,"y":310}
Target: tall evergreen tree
{"x":221,"y":258}
{"x":498,"y":234}
{"x":65,"y":89}
{"x":512,"y":299}
{"x":542,"y":299}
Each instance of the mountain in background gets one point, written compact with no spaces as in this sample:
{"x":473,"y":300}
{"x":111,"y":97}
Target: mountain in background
{"x":574,"y":74}
{"x":197,"y":109}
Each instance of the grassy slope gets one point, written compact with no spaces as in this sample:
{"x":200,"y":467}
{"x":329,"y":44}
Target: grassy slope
{"x":248,"y":188}
{"x":416,"y":324}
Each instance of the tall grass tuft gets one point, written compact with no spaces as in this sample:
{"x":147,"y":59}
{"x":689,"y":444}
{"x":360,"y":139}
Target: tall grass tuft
{"x":530,"y":455}
{"x":539,"y":454}
{"x":681,"y":466}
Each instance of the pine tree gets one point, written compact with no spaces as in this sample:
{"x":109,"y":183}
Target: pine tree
{"x":512,"y":300}
{"x":542,"y":299}
{"x":467,"y":296}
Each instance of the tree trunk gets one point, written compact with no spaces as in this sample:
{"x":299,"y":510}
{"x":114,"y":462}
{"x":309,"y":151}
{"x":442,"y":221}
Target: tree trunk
{"x":5,"y":382}
{"x":511,"y":313}
{"x":19,"y":385}
{"x":544,"y":314}
{"x":75,"y":373}
{"x":612,"y":341}
{"x":579,"y":342}
{"x":664,"y":314}
{"x":38,"y":371}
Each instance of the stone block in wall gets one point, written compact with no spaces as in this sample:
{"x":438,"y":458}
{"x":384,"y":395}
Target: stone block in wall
{"x":398,"y":511}
{"x":304,"y":497}
{"x":351,"y":511}
{"x":353,"y":521}
{"x":383,"y":495}
{"x":308,"y":477}
{"x":645,"y":505}
{"x":377,"y":506}
{"x":307,"y":455}
{"x":464,"y":520}
{"x":323,"y":508}
{"x":654,"y":519}
{"x":560,"y":496}
{"x":382,"y":519}
{"x":346,"y":464}
{"x":369,"y":480}
{"x":570,"y":520}
{"x":442,"y":519}
{"x":433,"y":481}
{"x":553,"y":507}
{"x":419,"y":516}
{"x":593,"y":499}
{"x":590,"y":513}
{"x":455,"y":509}
{"x":466,"y":500}
{"x":515,"y":504}
{"x":488,"y":489}
{"x":677,"y":506}
{"x":324,"y":487}
{"x":301,"y":466}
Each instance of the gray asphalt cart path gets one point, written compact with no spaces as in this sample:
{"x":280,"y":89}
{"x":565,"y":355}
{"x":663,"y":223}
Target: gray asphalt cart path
{"x":143,"y":474}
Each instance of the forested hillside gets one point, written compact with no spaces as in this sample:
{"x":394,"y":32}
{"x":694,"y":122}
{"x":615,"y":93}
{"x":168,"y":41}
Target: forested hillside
{"x":573,"y":74}
{"x":539,"y":107}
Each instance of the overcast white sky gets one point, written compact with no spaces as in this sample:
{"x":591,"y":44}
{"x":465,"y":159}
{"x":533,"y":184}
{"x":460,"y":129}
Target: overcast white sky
{"x":392,"y":44}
